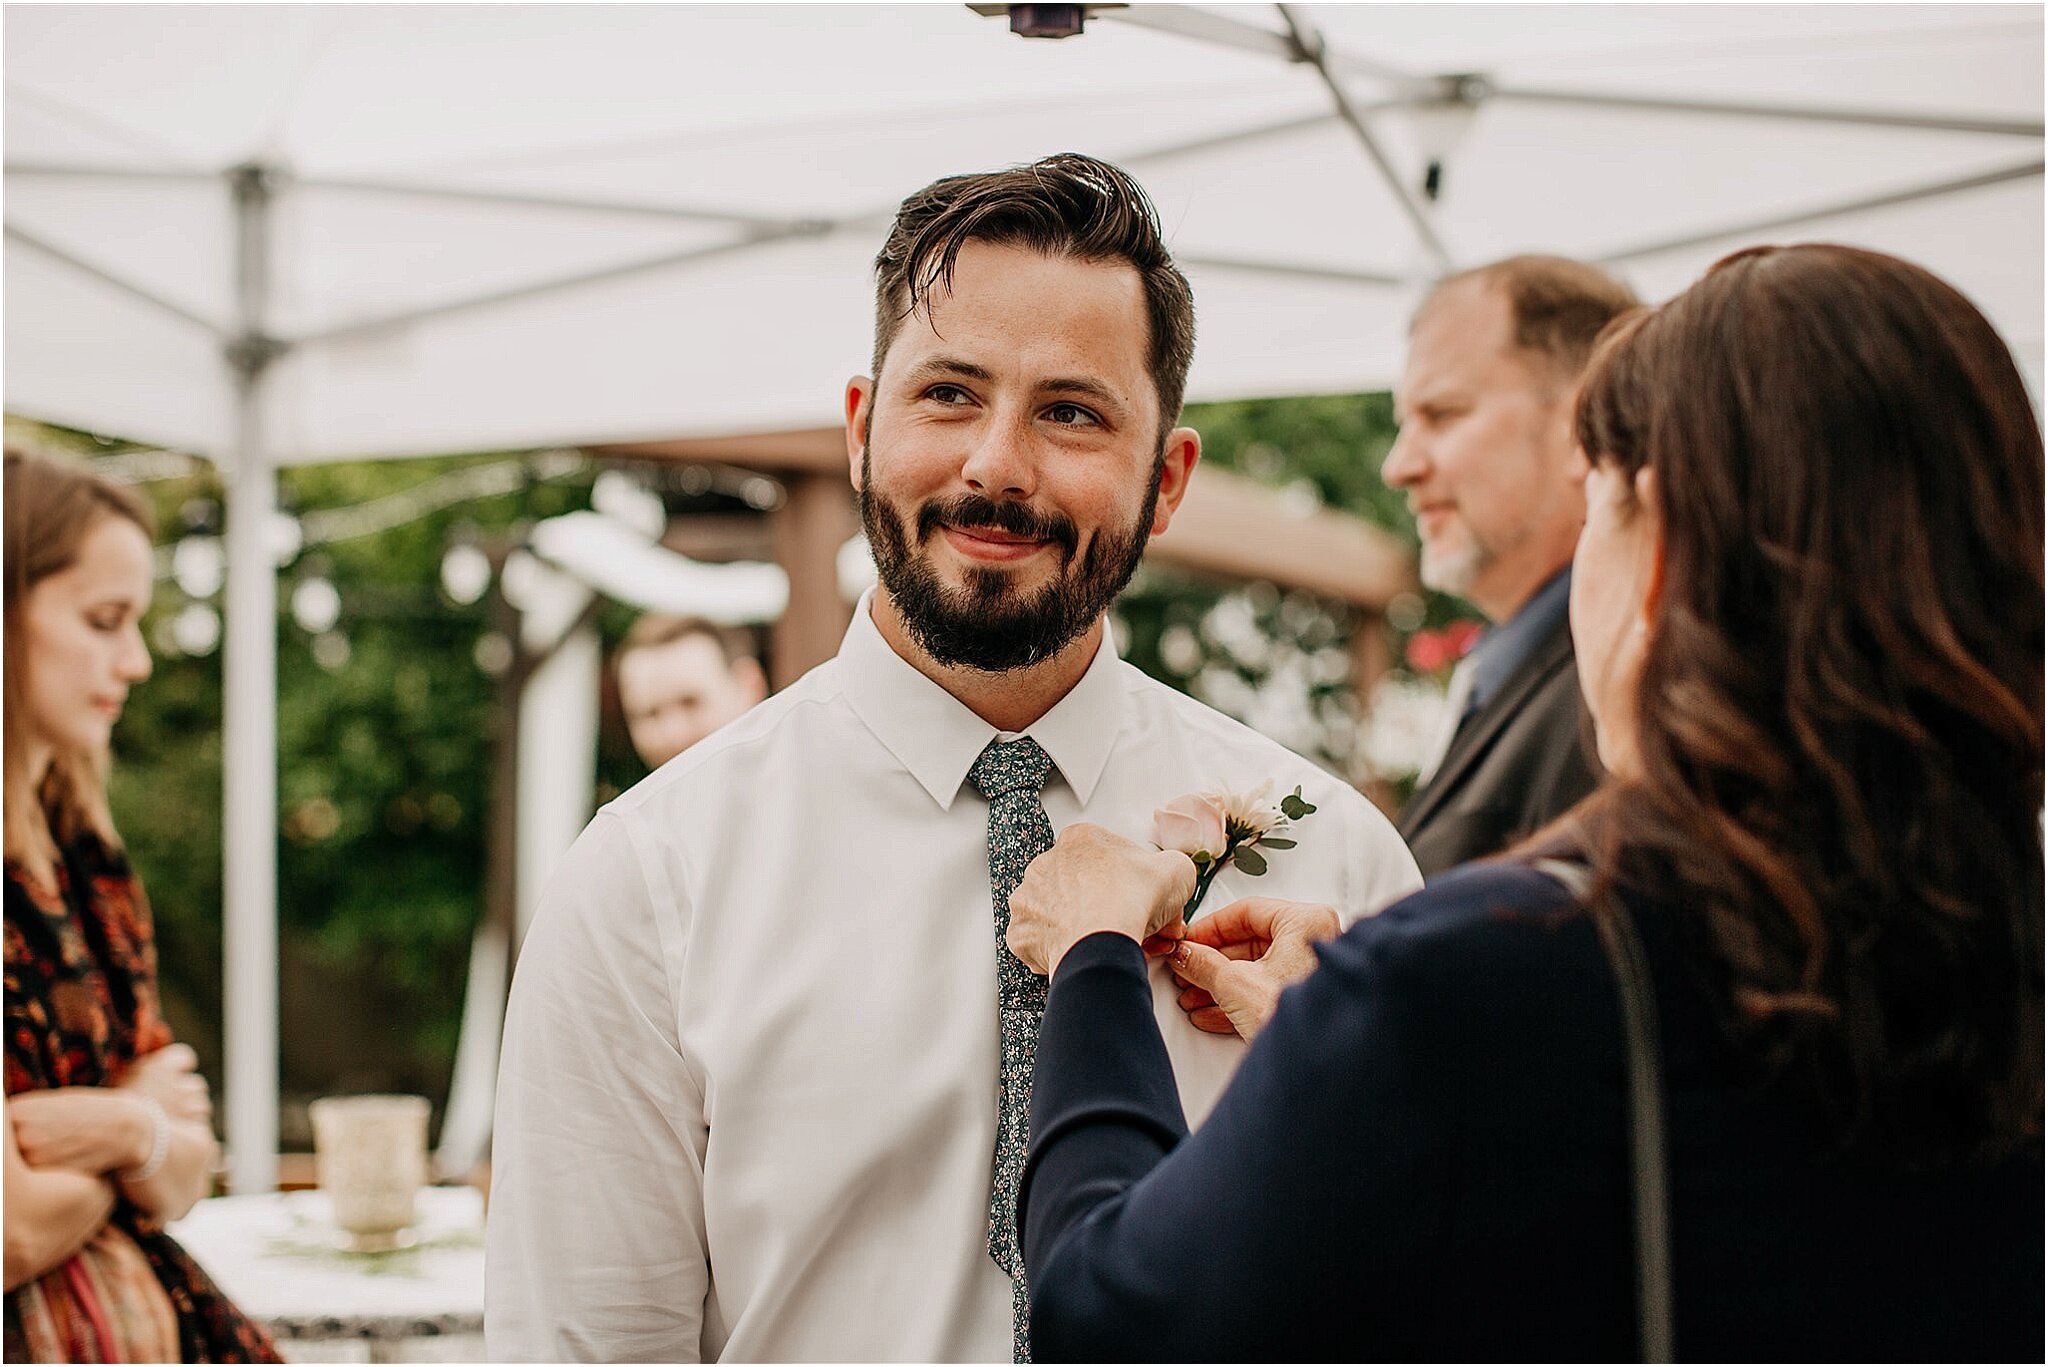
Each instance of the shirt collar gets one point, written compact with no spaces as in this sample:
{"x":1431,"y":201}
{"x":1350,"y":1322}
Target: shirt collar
{"x":1503,"y":648}
{"x":937,"y":738}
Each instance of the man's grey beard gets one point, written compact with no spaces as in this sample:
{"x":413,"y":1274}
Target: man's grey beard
{"x":1452,"y":572}
{"x":990,"y":625}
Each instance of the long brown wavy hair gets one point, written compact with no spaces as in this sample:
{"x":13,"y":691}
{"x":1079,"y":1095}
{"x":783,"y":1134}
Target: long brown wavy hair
{"x":1840,"y":708}
{"x":50,"y":510}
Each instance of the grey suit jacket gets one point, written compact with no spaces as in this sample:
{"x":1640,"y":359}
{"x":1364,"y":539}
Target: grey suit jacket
{"x":1522,"y":759}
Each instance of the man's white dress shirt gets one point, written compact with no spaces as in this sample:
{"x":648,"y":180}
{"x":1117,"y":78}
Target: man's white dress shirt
{"x":747,"y":1103}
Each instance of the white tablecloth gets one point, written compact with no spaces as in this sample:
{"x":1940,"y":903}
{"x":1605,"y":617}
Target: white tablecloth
{"x":276,"y":1257}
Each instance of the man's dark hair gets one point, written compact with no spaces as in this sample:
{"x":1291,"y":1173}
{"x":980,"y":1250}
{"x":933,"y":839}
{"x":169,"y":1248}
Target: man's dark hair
{"x":1559,"y":307}
{"x":1066,"y":205}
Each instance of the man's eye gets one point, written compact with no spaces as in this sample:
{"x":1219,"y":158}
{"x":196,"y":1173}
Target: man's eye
{"x":951,"y":394}
{"x":1071,"y":415}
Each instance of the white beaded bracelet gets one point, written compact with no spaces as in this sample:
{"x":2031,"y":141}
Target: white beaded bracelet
{"x":159,"y":1144}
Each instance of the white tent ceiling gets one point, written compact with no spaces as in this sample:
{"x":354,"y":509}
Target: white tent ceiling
{"x":470,"y":227}
{"x":439,"y":156}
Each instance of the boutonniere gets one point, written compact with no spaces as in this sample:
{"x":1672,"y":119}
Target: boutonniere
{"x":1217,"y":830}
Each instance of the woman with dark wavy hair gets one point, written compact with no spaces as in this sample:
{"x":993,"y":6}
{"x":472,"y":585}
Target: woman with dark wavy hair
{"x":1807,"y":605}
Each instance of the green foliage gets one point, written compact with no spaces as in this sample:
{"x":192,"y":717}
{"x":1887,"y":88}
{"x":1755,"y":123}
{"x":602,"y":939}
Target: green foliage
{"x":384,"y":735}
{"x":1335,"y":444}
{"x":1280,"y":661}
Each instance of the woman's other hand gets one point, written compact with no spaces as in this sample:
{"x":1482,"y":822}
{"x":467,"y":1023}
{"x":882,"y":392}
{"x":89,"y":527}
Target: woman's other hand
{"x":1235,"y":962}
{"x":50,"y":1212}
{"x":1091,"y":880}
{"x":169,"y":1077}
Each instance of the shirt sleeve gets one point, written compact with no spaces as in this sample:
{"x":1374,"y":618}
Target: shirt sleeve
{"x":1383,"y":869}
{"x":1309,"y":1204}
{"x":595,"y":1247}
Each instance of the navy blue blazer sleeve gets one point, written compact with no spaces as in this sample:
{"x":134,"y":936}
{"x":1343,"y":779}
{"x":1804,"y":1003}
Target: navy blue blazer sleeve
{"x":1307,"y":1214}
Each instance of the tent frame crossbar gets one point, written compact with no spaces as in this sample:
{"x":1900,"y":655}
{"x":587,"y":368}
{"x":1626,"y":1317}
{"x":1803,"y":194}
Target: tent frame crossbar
{"x":769,"y":232}
{"x":1866,"y":118}
{"x":1207,"y":26}
{"x":117,"y":282}
{"x":1336,"y":275}
{"x":1412,"y":88}
{"x":1310,"y":47}
{"x":1910,"y":195}
{"x":89,"y":171}
{"x":1889,"y":199}
{"x":1234,"y":137}
{"x":513,"y":199}
{"x":370,"y":185}
{"x":516,"y":293}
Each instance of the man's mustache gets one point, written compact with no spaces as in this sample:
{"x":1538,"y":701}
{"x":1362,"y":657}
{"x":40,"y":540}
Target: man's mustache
{"x":1018,"y":519}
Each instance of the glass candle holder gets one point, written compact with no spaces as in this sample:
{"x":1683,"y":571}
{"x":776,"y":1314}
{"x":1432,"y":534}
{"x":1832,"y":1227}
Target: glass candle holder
{"x":371,"y":1156}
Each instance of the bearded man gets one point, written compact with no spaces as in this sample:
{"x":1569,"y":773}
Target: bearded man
{"x":767,"y":1062}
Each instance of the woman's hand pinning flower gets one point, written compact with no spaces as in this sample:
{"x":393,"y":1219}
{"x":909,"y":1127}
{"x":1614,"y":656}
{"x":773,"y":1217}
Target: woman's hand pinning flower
{"x":1093,"y":880}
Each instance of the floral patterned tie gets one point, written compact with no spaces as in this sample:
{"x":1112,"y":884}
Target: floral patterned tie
{"x":1011,"y":774}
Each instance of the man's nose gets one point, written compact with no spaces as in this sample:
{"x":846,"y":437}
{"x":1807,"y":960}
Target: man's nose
{"x":1406,"y":463}
{"x":1001,"y":463}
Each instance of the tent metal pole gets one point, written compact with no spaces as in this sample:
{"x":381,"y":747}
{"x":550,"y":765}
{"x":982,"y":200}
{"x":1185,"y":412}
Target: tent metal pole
{"x":85,"y":171}
{"x":1237,"y":137}
{"x":509,"y":199}
{"x":1309,"y":44}
{"x":113,"y":281}
{"x":249,"y":770}
{"x":1913,"y":194}
{"x":621,"y":271}
{"x":1872,"y":118}
{"x":1207,"y":26}
{"x":1335,"y":275}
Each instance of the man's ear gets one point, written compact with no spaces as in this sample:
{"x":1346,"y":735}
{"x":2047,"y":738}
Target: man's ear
{"x":1562,"y":434}
{"x":1183,"y":450}
{"x":860,"y":400}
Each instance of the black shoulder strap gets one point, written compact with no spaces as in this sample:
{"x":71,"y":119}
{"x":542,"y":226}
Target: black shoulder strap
{"x":1646,"y":1105}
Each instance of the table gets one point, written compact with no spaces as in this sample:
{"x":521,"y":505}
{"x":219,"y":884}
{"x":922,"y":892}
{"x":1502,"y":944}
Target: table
{"x":277,"y":1256}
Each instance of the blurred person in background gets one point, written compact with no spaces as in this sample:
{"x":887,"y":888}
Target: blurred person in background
{"x":1486,"y":456}
{"x":1808,"y":606}
{"x":109,"y":1128}
{"x":680,"y":679}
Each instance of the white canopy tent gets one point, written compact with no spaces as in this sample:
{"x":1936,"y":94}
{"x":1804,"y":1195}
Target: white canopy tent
{"x":280,"y":234}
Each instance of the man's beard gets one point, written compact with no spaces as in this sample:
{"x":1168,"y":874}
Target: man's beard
{"x":1453,"y":569}
{"x":990,"y":624}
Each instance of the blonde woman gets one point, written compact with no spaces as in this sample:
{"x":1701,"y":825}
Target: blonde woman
{"x":109,"y":1129}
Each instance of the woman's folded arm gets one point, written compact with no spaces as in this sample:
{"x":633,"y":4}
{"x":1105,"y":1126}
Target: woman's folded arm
{"x":51,"y":1213}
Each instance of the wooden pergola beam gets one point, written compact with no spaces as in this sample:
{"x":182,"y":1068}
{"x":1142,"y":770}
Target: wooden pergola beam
{"x":1228,"y":525}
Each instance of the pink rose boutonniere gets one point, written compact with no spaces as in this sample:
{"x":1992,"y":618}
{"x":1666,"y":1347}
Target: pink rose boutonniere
{"x":1217,"y":830}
